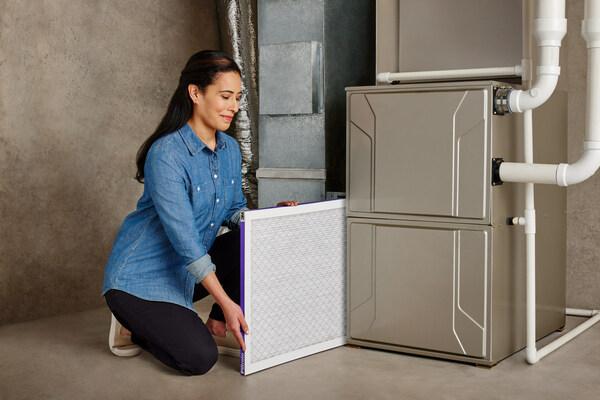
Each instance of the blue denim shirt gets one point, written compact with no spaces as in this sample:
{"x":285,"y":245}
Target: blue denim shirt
{"x":160,"y":252}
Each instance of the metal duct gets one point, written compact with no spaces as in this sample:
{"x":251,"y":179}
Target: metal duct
{"x":237,"y":23}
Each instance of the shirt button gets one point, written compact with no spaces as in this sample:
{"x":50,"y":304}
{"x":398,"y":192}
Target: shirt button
{"x":217,"y":200}
{"x":215,"y":176}
{"x":212,"y":224}
{"x":198,"y":188}
{"x":232,"y":181}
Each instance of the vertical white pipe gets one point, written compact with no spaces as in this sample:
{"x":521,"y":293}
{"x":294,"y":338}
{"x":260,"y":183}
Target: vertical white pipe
{"x":550,"y":9}
{"x":592,"y":109}
{"x":526,"y":61}
{"x":530,"y":230}
{"x":531,"y":352}
{"x":591,"y":9}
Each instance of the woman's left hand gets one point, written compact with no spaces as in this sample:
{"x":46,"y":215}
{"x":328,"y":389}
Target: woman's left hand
{"x":287,"y":203}
{"x":216,"y":328}
{"x":235,"y":321}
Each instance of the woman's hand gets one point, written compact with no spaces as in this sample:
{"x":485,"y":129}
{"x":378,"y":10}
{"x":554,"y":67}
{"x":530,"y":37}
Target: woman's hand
{"x":234,"y":317}
{"x":235,"y":321}
{"x":216,"y":328}
{"x":286,"y":203}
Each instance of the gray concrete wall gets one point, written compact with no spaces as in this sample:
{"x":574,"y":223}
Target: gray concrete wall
{"x":82,"y":84}
{"x":583,"y":210}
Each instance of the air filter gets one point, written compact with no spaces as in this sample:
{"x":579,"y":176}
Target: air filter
{"x":292,"y":282}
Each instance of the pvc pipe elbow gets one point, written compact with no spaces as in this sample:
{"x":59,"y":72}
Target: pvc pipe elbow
{"x":582,"y":169}
{"x":541,"y":91}
{"x":532,"y":357}
{"x":383,"y":77}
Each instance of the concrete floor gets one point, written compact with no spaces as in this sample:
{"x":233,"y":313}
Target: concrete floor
{"x":66,"y":357}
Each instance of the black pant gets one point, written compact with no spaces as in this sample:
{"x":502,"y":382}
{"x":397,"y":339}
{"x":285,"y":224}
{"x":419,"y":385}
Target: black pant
{"x":174,"y":334}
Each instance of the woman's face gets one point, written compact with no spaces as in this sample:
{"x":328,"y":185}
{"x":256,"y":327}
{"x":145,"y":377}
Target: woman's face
{"x":217,"y":105}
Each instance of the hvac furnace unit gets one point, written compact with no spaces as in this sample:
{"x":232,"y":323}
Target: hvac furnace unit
{"x":433,"y":265}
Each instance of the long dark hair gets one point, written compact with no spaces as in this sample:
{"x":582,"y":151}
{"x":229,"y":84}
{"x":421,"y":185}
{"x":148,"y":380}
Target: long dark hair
{"x":201,"y":70}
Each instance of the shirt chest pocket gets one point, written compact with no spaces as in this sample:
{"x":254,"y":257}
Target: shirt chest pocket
{"x":229,"y":185}
{"x":201,"y":196}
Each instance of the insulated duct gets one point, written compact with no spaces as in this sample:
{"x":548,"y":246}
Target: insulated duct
{"x":237,"y":24}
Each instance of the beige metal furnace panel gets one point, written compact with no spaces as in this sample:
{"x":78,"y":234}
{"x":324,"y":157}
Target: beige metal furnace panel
{"x":406,"y":158}
{"x":419,"y":286}
{"x":426,"y":35}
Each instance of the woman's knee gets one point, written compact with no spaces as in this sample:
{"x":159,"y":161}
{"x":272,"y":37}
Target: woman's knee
{"x":198,"y":361}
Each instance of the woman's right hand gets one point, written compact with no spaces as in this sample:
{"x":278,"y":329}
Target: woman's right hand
{"x":235,"y":321}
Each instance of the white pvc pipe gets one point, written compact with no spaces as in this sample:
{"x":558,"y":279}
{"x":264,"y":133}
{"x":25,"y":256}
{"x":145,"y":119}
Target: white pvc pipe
{"x":582,"y":167}
{"x":525,"y":173}
{"x":531,"y":353}
{"x":578,"y":312}
{"x":567,"y":337}
{"x":520,"y":100}
{"x":549,"y":28}
{"x":388,"y":77}
{"x":592,"y":116}
{"x":530,"y":230}
{"x":589,"y":162}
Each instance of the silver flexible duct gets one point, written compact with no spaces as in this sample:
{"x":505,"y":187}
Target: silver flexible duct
{"x":237,"y":23}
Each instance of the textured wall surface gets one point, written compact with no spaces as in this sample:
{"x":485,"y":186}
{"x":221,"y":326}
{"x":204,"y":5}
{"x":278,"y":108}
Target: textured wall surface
{"x":583,"y":208}
{"x":81,"y":86}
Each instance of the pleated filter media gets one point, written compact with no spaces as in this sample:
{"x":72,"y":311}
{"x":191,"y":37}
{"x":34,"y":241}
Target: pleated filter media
{"x":293,"y":282}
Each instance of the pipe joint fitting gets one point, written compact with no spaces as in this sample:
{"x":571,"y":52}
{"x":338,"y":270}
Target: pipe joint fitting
{"x":383,"y":77}
{"x":526,"y":69}
{"x":548,"y":70}
{"x":590,"y":30}
{"x":549,"y":31}
{"x":561,"y":174}
{"x":530,"y":221}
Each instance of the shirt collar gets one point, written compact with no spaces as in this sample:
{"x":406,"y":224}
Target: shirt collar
{"x":193,"y":142}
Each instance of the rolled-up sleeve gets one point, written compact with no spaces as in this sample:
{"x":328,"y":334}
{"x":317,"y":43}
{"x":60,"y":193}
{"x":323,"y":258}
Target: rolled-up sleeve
{"x":238,"y":205}
{"x":164,"y":179}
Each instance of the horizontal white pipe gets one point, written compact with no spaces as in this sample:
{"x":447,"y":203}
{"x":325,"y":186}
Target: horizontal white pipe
{"x":525,"y":173}
{"x":549,"y":348}
{"x":578,"y":312}
{"x":388,"y":77}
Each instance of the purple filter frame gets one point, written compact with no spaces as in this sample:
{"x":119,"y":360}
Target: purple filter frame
{"x":242,"y":269}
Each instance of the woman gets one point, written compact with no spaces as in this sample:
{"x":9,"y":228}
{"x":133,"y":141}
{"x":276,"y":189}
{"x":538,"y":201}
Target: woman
{"x":166,"y":254}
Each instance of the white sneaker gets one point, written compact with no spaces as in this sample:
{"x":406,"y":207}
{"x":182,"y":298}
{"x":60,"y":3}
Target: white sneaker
{"x":121,"y":346}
